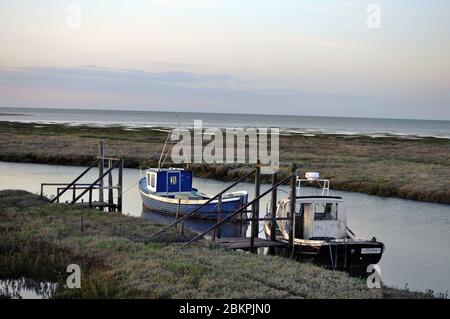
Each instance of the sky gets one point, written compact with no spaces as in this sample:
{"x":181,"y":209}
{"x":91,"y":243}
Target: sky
{"x":324,"y":58}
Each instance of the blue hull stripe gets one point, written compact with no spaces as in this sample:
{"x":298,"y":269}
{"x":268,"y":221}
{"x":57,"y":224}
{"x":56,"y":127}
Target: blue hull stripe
{"x":210,"y":210}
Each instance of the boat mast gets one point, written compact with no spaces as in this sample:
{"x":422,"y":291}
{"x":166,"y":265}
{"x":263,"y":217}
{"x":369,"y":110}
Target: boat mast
{"x":161,"y":161}
{"x":168,"y":144}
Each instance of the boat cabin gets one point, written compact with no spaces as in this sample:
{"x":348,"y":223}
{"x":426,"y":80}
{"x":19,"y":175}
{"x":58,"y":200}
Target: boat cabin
{"x":320,"y":217}
{"x":169,"y":180}
{"x":316,"y":217}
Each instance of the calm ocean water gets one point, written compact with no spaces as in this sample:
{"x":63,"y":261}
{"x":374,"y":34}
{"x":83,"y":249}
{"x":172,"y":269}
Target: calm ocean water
{"x":288,"y":124}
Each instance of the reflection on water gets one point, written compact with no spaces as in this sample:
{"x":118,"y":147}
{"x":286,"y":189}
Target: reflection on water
{"x":416,"y":234}
{"x":234,"y":229}
{"x":24,"y":288}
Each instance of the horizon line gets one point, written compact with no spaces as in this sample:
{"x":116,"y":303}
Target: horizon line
{"x":222,"y":113}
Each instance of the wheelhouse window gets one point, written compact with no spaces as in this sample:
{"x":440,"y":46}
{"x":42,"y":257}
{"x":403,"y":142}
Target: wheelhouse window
{"x":326,"y":211}
{"x":173,"y":180}
{"x":152,"y":180}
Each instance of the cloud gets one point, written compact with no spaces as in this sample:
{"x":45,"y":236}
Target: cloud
{"x":49,"y":74}
{"x":93,"y":79}
{"x":175,"y":90}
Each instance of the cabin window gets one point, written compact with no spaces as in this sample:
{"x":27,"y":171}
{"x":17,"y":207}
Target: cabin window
{"x":326,"y":211}
{"x":152,"y":180}
{"x":173,"y":180}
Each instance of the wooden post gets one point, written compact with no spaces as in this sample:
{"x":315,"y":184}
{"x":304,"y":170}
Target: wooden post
{"x":241,"y":223}
{"x":177,"y":215}
{"x":110,"y":187}
{"x":120,"y":190}
{"x":219,"y":213}
{"x":255,"y":209}
{"x":292,"y":209}
{"x":101,"y":166}
{"x":74,"y":194}
{"x":273,"y":212}
{"x":203,"y":233}
{"x":90,"y":198}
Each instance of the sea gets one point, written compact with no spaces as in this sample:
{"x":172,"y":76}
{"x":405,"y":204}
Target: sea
{"x":288,"y":124}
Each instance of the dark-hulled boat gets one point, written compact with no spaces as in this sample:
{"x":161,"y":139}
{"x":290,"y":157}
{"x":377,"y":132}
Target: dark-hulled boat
{"x":321,"y":233}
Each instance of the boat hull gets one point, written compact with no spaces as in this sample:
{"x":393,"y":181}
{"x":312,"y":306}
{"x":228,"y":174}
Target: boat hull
{"x":352,"y":255}
{"x":170,"y":206}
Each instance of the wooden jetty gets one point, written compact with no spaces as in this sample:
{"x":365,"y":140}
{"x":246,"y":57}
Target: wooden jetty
{"x":253,"y":242}
{"x":80,"y":190}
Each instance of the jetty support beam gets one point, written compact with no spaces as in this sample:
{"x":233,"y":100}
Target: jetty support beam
{"x":120,"y":189}
{"x":292,"y":208}
{"x":110,"y":187}
{"x":273,"y":211}
{"x":284,"y":180}
{"x":101,"y":166}
{"x":93,"y":184}
{"x":255,"y":209}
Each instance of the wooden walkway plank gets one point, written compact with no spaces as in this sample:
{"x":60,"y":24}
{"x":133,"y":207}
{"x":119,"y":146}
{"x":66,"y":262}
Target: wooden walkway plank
{"x":95,"y":204}
{"x":245,"y":243}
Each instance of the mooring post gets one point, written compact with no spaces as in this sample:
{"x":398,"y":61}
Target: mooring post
{"x":177,"y":215}
{"x":241,"y":223}
{"x":120,"y":190}
{"x":293,"y":196}
{"x":90,"y":198}
{"x":110,"y":187}
{"x":273,"y":212}
{"x":101,"y":166}
{"x":215,"y":233}
{"x":255,"y":209}
{"x":219,"y":213}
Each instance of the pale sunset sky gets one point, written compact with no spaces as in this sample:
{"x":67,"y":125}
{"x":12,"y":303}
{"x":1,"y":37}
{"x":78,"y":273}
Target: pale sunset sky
{"x":234,"y":56}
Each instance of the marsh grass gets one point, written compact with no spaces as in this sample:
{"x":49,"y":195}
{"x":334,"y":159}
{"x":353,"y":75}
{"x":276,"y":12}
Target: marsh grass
{"x":120,"y":259}
{"x":412,"y":169}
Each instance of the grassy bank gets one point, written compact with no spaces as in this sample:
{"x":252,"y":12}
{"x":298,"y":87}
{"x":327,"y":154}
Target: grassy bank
{"x":119,"y":259}
{"x":417,"y":169}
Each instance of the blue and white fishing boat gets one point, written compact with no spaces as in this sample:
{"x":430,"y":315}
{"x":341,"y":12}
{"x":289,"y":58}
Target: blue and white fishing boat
{"x":170,"y":191}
